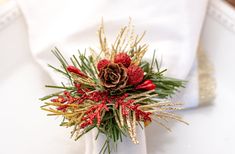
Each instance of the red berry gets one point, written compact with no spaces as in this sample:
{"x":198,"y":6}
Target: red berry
{"x":149,"y":86}
{"x":135,"y":74}
{"x":123,"y":58}
{"x":75,"y":70}
{"x":146,"y":85}
{"x":102,"y":63}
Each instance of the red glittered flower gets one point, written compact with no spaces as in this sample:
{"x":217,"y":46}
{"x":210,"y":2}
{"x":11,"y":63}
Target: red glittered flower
{"x":102,"y":63}
{"x":123,"y":58}
{"x":135,"y":74}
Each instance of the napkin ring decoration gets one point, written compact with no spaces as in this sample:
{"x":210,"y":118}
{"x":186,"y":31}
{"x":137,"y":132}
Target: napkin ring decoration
{"x":113,"y":90}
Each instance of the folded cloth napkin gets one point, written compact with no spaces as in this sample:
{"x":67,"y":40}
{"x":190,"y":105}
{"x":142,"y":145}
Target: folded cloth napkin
{"x":173,"y":29}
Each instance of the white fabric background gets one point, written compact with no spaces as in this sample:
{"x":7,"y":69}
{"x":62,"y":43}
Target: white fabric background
{"x":172,"y":28}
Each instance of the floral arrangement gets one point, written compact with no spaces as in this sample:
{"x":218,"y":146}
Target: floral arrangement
{"x":113,"y":90}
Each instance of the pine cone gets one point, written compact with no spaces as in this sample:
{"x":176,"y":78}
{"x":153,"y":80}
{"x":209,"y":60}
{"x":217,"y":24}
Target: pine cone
{"x":113,"y":76}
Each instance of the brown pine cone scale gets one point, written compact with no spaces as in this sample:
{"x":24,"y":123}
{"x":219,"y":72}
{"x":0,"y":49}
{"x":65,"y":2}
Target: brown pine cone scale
{"x":113,"y":76}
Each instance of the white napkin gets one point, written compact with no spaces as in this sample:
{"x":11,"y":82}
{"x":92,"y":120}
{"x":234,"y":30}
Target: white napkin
{"x":173,"y":28}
